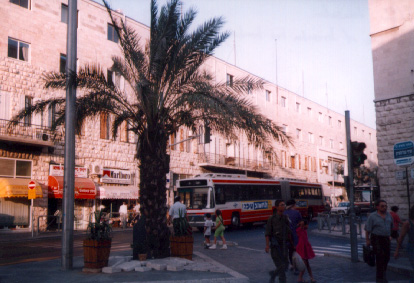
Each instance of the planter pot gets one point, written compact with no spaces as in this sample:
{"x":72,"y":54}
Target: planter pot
{"x":96,"y":253}
{"x":142,"y":257}
{"x":182,"y":246}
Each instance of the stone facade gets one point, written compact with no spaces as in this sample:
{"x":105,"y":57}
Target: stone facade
{"x":318,"y":133}
{"x":392,"y":26}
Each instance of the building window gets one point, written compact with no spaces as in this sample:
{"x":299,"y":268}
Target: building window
{"x":15,"y":168}
{"x":268,"y":96}
{"x":18,"y":50}
{"x":64,"y":14}
{"x":229,"y":81}
{"x":104,"y":126}
{"x":293,"y":161}
{"x":355,"y":131}
{"x":310,"y":136}
{"x":249,"y":88}
{"x":341,"y":146}
{"x":363,"y":133}
{"x":320,"y":117}
{"x":62,"y":63}
{"x":299,"y":134}
{"x":339,"y":123}
{"x":331,"y":143}
{"x":283,"y":101}
{"x":21,"y":3}
{"x":284,"y":128}
{"x":370,"y":136}
{"x":330,"y":121}
{"x":321,"y":140}
{"x":52,"y":115}
{"x":298,"y":107}
{"x":115,"y":79}
{"x":112,"y":34}
{"x":4,"y":106}
{"x":310,"y":112}
{"x":27,"y":105}
{"x":124,"y":132}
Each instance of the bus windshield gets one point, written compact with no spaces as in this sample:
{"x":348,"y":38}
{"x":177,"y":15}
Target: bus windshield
{"x":196,"y":198}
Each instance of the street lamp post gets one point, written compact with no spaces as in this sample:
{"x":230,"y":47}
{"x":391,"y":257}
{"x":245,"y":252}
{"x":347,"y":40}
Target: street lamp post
{"x":70,"y":117}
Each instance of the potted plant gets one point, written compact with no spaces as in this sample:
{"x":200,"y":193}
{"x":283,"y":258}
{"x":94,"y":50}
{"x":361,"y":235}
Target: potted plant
{"x":97,"y":246}
{"x":181,"y":243}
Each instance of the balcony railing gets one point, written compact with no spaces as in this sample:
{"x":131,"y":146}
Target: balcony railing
{"x":236,"y":162}
{"x":29,"y":133}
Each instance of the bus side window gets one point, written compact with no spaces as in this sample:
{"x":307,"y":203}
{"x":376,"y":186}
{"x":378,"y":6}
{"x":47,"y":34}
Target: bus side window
{"x":220,"y":199}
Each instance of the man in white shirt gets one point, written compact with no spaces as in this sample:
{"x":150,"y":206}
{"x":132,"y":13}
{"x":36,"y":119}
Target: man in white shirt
{"x":123,"y":213}
{"x":177,"y":209}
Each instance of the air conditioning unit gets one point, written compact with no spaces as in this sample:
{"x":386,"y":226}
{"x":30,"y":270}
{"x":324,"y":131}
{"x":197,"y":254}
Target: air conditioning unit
{"x":96,"y":169}
{"x":45,"y":137}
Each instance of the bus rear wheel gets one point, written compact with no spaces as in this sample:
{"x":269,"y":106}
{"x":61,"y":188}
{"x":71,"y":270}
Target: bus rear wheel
{"x":235,"y":220}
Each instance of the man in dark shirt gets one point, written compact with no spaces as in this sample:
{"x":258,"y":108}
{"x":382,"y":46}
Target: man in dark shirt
{"x":377,"y":233}
{"x":277,"y":234}
{"x":294,"y":217}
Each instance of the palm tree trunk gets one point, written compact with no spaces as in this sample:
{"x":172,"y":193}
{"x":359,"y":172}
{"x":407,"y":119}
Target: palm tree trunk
{"x":153,"y":169}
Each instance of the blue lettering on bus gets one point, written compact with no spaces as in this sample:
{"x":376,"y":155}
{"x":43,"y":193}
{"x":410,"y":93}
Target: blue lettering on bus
{"x":255,"y":205}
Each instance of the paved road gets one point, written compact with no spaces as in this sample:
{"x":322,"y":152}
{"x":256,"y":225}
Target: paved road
{"x":250,"y":259}
{"x":247,"y":258}
{"x":50,"y":248}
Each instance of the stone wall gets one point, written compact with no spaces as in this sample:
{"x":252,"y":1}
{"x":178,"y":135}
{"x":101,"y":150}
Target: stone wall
{"x":394,"y":124}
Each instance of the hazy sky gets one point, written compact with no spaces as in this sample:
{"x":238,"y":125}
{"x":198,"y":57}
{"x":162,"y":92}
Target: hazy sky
{"x":323,"y":46}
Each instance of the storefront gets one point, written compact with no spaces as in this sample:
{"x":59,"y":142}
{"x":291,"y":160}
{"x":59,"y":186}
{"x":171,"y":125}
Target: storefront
{"x":85,"y":194}
{"x":14,"y":202}
{"x":115,"y":188}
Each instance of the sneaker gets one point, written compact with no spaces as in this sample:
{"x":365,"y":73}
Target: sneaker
{"x":212,"y":247}
{"x":224,"y":247}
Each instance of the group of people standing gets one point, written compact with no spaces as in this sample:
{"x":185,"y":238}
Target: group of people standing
{"x":286,"y":232}
{"x":380,"y":228}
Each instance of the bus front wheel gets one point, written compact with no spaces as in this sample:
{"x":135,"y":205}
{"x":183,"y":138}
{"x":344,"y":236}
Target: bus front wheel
{"x":235,"y":220}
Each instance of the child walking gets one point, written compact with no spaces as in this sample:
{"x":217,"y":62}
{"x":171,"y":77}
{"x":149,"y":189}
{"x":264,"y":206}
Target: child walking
{"x":207,"y":230}
{"x":304,"y":249}
{"x":219,"y":231}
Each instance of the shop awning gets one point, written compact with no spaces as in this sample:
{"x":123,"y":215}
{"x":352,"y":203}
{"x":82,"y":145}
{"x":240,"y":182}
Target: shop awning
{"x":117,"y":192}
{"x":12,"y":187}
{"x":84,"y":188}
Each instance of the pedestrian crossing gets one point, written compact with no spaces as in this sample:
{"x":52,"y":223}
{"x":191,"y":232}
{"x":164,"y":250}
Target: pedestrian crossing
{"x":335,"y":249}
{"x":76,"y":244}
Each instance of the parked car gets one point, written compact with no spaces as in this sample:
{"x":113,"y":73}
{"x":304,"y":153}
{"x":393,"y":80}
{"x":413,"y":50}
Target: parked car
{"x":344,"y":208}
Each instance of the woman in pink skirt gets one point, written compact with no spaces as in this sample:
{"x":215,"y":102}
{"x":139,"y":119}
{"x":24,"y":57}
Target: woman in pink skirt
{"x":304,"y":249}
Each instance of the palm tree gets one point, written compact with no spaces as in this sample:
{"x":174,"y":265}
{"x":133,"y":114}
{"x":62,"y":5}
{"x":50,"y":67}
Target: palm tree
{"x":167,"y":90}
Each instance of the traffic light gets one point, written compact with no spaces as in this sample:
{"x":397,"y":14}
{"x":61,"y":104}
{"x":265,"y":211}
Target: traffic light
{"x":207,"y":133}
{"x":358,"y":156}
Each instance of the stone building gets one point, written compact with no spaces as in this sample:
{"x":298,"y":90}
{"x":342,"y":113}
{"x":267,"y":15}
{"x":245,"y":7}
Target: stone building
{"x":106,"y":169}
{"x":391,"y":30}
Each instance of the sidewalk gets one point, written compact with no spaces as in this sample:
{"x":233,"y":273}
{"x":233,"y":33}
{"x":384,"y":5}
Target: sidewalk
{"x":202,"y":269}
{"x":400,"y":265}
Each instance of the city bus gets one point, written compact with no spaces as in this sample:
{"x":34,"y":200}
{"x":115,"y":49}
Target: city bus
{"x":244,"y":200}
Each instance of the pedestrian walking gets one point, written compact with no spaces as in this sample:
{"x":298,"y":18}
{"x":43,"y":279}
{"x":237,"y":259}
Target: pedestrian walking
{"x":377,"y":233}
{"x":277,"y":235}
{"x":219,"y":231}
{"x":295,"y":218}
{"x":207,"y":230}
{"x":396,"y":222}
{"x":304,"y":249}
{"x":176,"y":211}
{"x":123,"y":214}
{"x":407,"y":228}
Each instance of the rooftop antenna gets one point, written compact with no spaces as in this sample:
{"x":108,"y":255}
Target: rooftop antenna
{"x":303,"y":83}
{"x":326,"y":90}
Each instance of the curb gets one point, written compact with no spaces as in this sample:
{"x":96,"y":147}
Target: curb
{"x":398,"y":268}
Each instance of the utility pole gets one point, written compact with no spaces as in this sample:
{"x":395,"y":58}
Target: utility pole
{"x":70,"y":117}
{"x":354,"y":241}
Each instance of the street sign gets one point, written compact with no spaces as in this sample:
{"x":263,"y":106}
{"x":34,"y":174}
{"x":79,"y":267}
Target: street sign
{"x":404,"y":153}
{"x":32,"y":190}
